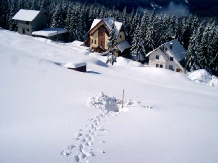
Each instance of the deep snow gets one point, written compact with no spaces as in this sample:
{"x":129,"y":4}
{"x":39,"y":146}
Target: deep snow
{"x":50,"y":113}
{"x":203,"y":77}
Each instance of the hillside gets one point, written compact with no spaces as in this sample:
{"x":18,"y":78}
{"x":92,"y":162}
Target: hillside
{"x":53,"y":114}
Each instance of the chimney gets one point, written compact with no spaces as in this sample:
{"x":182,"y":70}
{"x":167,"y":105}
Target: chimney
{"x":171,"y":45}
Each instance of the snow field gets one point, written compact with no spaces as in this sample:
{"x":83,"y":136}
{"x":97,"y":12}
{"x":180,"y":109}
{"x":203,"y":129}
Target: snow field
{"x":45,"y":116}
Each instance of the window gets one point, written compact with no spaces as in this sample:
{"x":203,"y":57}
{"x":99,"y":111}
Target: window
{"x":95,"y":41}
{"x":157,"y":65}
{"x":171,"y":58}
{"x":27,"y":23}
{"x":161,"y":66}
{"x":27,"y":30}
{"x":120,"y":36}
{"x":92,"y":40}
{"x":170,"y":67}
{"x":157,"y":56}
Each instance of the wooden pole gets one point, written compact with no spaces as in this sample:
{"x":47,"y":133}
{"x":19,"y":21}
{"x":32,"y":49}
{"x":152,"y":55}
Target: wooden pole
{"x":123,"y":98}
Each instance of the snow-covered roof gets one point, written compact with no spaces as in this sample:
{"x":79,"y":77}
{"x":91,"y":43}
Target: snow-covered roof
{"x":150,"y":52}
{"x":75,"y":64}
{"x":123,"y":45}
{"x":109,"y":22}
{"x":26,"y":15}
{"x":95,"y":22}
{"x":47,"y":32}
{"x":177,"y":49}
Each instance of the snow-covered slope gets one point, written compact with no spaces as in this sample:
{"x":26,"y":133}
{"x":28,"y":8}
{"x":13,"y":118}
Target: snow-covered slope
{"x":52,"y":114}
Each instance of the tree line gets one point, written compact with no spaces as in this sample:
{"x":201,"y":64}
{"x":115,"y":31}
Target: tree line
{"x":145,"y":31}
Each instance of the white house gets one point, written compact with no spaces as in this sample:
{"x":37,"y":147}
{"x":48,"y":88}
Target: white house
{"x":170,"y":55}
{"x":29,"y":21}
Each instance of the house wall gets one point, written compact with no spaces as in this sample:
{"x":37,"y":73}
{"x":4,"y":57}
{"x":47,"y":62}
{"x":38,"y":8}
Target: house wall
{"x":24,"y":28}
{"x":61,"y":37}
{"x":162,"y":61}
{"x":97,"y":35}
{"x":153,"y":61}
{"x":80,"y":69}
{"x":38,"y":23}
{"x":122,"y":34}
{"x":94,"y":37}
{"x":173,"y":63}
{"x":106,"y":41}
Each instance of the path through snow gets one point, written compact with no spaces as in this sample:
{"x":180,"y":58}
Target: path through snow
{"x":83,"y":145}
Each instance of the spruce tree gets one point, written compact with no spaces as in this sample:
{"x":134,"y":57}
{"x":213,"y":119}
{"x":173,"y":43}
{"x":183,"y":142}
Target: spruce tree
{"x":57,"y":18}
{"x":11,"y":23}
{"x":135,"y":48}
{"x":112,"y":39}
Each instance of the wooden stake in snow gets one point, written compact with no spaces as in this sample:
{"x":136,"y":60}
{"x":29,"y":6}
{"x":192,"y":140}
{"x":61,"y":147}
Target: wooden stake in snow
{"x":123,"y":98}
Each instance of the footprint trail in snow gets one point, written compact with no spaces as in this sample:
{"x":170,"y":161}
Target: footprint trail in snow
{"x":83,"y":145}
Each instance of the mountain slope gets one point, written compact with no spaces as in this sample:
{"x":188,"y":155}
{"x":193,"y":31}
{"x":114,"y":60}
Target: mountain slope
{"x":46,"y":117}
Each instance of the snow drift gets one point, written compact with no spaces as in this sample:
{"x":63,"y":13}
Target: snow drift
{"x":202,"y":76}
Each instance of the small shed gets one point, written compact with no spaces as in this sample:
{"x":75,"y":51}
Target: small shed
{"x":55,"y":34}
{"x":77,"y":66}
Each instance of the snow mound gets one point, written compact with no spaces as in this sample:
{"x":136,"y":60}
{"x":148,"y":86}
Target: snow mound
{"x":202,"y":76}
{"x":124,"y":62}
{"x":104,"y":102}
{"x":120,"y":61}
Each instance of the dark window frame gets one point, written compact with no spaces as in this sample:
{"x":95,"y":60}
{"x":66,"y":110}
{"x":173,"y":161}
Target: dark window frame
{"x":157,"y":57}
{"x":171,"y":67}
{"x":171,"y":58}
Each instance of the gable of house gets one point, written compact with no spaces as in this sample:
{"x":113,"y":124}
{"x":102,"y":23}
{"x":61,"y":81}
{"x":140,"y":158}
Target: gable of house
{"x":99,"y":33}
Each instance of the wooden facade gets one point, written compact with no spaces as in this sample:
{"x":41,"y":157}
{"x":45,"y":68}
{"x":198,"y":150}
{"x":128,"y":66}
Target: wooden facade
{"x":80,"y":69}
{"x":99,"y":34}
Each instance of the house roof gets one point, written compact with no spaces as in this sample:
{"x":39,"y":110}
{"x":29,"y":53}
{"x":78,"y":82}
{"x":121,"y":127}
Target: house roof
{"x":47,"y":32}
{"x":75,"y":64}
{"x":123,"y":45}
{"x":160,"y":51}
{"x":26,"y":15}
{"x":177,"y":49}
{"x":108,"y":22}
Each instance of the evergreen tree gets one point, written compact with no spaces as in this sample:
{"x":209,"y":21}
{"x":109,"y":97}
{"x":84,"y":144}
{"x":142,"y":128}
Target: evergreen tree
{"x":124,"y":16}
{"x":149,"y":39}
{"x":112,"y":39}
{"x":144,"y":24}
{"x":11,"y":23}
{"x":57,"y":18}
{"x":135,"y":48}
